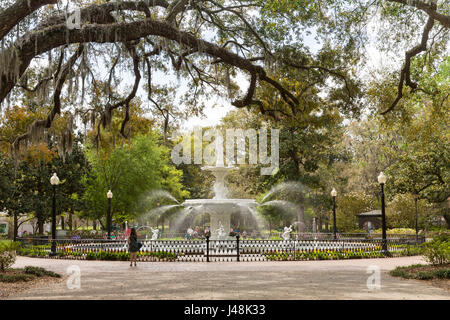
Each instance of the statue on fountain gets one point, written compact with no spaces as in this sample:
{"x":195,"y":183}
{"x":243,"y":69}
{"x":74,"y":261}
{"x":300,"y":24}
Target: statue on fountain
{"x":287,"y":233}
{"x":220,"y":231}
{"x":155,"y":233}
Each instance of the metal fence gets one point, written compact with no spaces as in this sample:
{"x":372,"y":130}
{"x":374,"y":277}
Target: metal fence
{"x":219,"y":250}
{"x":294,"y":235}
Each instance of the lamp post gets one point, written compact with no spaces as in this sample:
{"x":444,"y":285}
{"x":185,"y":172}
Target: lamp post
{"x":54,"y":181}
{"x":416,"y":197}
{"x":334,"y":194}
{"x":382,"y":180}
{"x":109,"y":195}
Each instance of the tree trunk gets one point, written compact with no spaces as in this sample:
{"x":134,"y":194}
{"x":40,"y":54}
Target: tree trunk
{"x":300,"y":217}
{"x":40,"y":224}
{"x":62,"y":222}
{"x":447,"y":217}
{"x":70,"y":220}
{"x":15,"y":227}
{"x":270,"y":229}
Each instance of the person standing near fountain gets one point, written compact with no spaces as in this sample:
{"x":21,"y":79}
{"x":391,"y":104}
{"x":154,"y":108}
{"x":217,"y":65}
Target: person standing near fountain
{"x":133,"y":246}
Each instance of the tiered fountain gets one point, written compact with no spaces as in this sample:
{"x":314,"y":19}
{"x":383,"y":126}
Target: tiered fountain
{"x":220,"y":207}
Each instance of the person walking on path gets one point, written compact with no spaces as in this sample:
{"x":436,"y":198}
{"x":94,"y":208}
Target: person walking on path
{"x":133,"y":246}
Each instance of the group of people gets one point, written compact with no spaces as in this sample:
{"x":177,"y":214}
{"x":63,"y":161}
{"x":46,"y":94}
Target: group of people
{"x":118,"y":236}
{"x":23,"y":234}
{"x":196,"y":233}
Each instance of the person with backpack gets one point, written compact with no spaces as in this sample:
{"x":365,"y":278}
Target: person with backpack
{"x":133,"y":246}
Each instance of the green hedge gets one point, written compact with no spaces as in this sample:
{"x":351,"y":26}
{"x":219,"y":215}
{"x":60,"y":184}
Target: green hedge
{"x":30,"y":252}
{"x":27,"y":274}
{"x":4,"y":277}
{"x":124,"y":256}
{"x":407,"y":250}
{"x":437,"y":251}
{"x":406,"y":272}
{"x":40,"y":272}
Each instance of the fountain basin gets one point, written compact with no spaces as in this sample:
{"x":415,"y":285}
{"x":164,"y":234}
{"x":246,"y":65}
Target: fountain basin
{"x":220,"y":211}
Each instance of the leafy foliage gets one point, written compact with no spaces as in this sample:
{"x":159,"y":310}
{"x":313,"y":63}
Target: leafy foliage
{"x":437,"y":251}
{"x":130,"y":171}
{"x":7,"y":254}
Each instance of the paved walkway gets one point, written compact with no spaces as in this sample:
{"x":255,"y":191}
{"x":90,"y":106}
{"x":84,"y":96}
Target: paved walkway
{"x":344,"y":279}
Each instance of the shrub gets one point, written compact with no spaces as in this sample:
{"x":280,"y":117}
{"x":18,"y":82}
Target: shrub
{"x":31,"y":252}
{"x":397,"y":231}
{"x":442,"y":273}
{"x":411,"y":250}
{"x":91,"y":256}
{"x":423,"y":275}
{"x":15,"y":277}
{"x":409,"y":272}
{"x":437,"y":251}
{"x":40,"y":272}
{"x":7,"y":254}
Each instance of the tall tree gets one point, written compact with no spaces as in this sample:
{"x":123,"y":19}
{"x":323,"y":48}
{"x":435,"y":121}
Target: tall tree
{"x":254,"y":37}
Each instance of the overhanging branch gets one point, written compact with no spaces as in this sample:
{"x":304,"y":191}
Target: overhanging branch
{"x":405,"y":75}
{"x":19,"y":11}
{"x":46,"y":123}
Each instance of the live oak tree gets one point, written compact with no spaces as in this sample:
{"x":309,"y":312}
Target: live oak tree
{"x":47,"y":51}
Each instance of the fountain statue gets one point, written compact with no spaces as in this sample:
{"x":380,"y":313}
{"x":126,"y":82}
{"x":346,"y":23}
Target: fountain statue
{"x":155,"y":233}
{"x":220,"y":232}
{"x":287,"y":233}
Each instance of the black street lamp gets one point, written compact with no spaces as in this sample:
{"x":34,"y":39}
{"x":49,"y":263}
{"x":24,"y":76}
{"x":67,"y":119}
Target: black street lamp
{"x":109,"y":195}
{"x":54,"y":181}
{"x":416,"y":197}
{"x":334,"y":194}
{"x":382,"y":180}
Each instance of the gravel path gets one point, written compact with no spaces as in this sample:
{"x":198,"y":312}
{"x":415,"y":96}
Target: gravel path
{"x":333,"y":279}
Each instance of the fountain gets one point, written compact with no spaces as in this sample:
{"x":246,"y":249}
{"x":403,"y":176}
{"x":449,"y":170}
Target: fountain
{"x":220,"y":207}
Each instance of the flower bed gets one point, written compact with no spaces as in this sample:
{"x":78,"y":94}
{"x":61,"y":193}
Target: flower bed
{"x":398,"y":251}
{"x":100,"y":255}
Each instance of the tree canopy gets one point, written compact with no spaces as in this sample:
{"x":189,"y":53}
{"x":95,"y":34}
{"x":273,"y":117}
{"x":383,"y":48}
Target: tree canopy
{"x":58,"y":51}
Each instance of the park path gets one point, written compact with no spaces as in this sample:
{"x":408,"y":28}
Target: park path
{"x":335,"y":279}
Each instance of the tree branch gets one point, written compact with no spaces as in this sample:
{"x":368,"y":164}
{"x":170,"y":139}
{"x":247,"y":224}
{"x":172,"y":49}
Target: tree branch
{"x":430,"y":7}
{"x":39,"y":42}
{"x":405,"y":75}
{"x":61,"y":77}
{"x":19,"y":11}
